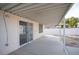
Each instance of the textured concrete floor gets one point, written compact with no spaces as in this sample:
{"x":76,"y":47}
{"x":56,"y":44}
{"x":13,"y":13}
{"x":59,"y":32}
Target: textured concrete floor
{"x":46,"y":45}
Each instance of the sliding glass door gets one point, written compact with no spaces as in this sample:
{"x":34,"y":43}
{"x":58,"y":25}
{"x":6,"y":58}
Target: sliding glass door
{"x":26,"y":32}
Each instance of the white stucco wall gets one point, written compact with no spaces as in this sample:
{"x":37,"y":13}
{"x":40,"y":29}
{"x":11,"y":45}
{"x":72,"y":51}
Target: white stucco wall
{"x":68,"y":31}
{"x":13,"y":32}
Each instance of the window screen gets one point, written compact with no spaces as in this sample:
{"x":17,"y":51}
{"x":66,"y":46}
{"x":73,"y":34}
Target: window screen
{"x":40,"y":28}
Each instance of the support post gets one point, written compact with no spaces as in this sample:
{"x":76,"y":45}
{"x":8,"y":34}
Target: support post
{"x":64,"y":38}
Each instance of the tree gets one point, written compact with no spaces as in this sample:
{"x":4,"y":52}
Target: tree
{"x":72,"y":22}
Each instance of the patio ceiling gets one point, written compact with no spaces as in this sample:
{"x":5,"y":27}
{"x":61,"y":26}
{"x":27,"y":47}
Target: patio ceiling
{"x":49,"y":14}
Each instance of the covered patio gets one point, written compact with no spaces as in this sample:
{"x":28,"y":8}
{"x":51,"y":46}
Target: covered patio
{"x":17,"y":38}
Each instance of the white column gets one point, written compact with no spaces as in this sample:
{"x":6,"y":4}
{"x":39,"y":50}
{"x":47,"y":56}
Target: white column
{"x":64,"y":38}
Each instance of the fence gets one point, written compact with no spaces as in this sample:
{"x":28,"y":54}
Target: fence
{"x":68,"y":31}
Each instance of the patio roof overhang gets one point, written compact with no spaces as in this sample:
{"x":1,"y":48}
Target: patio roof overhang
{"x":48,"y":14}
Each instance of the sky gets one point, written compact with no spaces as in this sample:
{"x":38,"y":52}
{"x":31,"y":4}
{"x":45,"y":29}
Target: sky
{"x":73,"y":12}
